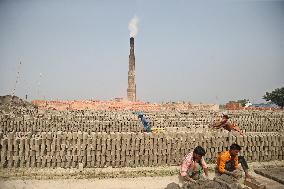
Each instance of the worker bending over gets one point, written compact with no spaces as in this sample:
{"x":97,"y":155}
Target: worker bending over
{"x":145,"y":123}
{"x":194,"y":165}
{"x":224,"y":123}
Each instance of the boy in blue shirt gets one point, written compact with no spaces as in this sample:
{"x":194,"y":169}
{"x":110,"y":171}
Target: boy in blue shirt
{"x":145,"y":123}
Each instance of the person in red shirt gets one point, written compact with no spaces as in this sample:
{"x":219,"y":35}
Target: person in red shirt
{"x":193,"y":165}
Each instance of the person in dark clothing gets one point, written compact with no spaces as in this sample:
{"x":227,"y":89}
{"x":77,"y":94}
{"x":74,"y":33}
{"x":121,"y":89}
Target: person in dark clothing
{"x":145,"y":123}
{"x":228,"y":161}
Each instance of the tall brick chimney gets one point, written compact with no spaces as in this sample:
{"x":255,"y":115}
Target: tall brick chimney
{"x":131,"y":90}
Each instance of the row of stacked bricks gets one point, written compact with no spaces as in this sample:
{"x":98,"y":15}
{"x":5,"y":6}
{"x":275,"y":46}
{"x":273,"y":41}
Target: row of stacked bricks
{"x":127,"y":122}
{"x":250,"y":121}
{"x":37,"y":126}
{"x":69,"y":149}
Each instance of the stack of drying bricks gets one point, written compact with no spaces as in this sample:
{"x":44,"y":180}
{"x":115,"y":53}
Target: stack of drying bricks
{"x":127,"y":122}
{"x":251,"y":121}
{"x":69,"y":149}
{"x":38,"y":125}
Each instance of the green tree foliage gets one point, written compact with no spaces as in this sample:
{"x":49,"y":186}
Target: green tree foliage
{"x":276,"y":96}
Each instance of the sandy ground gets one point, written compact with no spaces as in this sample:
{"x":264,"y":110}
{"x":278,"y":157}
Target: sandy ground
{"x":109,"y":178}
{"x":138,"y":183}
{"x":115,"y":183}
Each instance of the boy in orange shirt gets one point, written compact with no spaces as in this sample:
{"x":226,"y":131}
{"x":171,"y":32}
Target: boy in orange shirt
{"x":228,"y":161}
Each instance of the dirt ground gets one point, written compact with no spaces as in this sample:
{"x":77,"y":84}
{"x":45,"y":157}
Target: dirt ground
{"x":113,"y":183}
{"x":111,"y":178}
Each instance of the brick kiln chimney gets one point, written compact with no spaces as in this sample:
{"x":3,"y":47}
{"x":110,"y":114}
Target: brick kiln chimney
{"x":131,"y":90}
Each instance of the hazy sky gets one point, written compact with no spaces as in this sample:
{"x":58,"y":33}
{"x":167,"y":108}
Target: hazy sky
{"x":198,"y":51}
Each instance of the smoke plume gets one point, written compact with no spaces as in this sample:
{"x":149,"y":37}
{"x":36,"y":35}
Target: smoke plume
{"x":132,"y":26}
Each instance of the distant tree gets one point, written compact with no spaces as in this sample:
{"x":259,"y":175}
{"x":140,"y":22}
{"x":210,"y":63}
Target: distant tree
{"x":276,"y":96}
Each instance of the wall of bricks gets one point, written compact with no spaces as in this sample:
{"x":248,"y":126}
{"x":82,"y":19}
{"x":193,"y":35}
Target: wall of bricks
{"x":115,"y":138}
{"x":69,"y":149}
{"x":127,"y":121}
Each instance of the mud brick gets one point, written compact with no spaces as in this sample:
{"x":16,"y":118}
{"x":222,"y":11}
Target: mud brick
{"x":48,"y":145}
{"x":21,"y":145}
{"x":136,"y":159}
{"x":74,"y":135}
{"x":151,"y":160}
{"x":92,"y":162}
{"x":103,"y":160}
{"x":22,"y":162}
{"x":103,"y":149}
{"x":146,"y":160}
{"x":74,"y":164}
{"x":108,"y":144}
{"x":43,"y":161}
{"x":88,"y":142}
{"x":85,"y":136}
{"x":131,"y":161}
{"x":108,"y":157}
{"x":33,"y":161}
{"x":68,"y":159}
{"x":122,"y":157}
{"x":98,"y":158}
{"x":257,"y":138}
{"x":118,"y":153}
{"x":89,"y":158}
{"x":48,"y":158}
{"x":48,"y":164}
{"x":28,"y":161}
{"x":49,"y":135}
{"x":83,"y":160}
{"x":16,"y":143}
{"x":61,"y":164}
{"x":53,"y":145}
{"x":155,"y":159}
{"x":10,"y":144}
{"x":15,"y":161}
{"x":57,"y":158}
{"x":82,"y":152}
{"x":63,"y":135}
{"x":37,"y":144}
{"x":69,"y":136}
{"x":127,"y":161}
{"x":89,"y":151}
{"x":131,"y":153}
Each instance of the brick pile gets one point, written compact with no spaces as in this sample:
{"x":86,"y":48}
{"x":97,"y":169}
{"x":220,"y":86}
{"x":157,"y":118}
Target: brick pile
{"x":91,"y":138}
{"x":99,"y":149}
{"x":121,"y":105}
{"x":127,"y":121}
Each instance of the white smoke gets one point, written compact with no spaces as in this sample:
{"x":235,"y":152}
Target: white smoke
{"x":132,"y":26}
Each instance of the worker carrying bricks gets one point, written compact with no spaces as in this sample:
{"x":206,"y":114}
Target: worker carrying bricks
{"x":227,"y":125}
{"x":228,"y":162}
{"x":145,"y":122}
{"x":193,"y":166}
